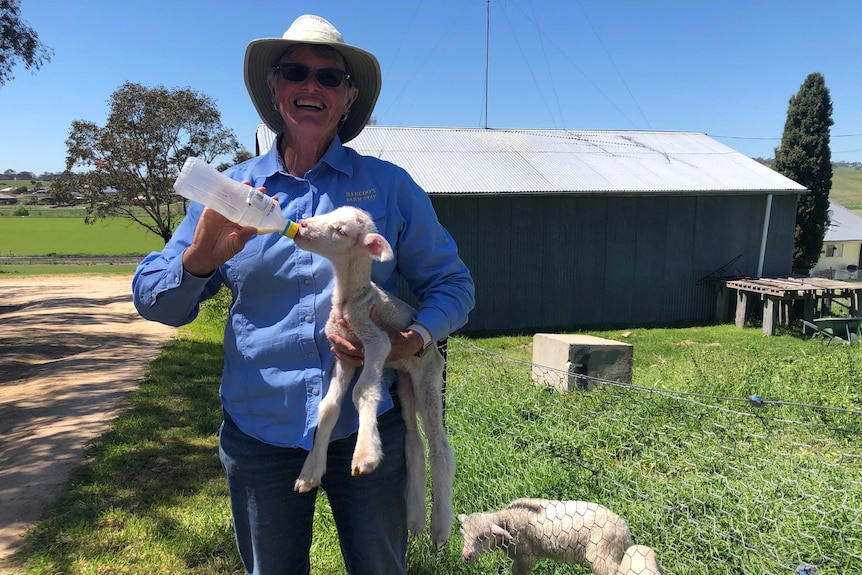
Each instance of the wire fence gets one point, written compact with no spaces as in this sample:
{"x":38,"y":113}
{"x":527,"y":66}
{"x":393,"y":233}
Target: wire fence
{"x":712,"y":484}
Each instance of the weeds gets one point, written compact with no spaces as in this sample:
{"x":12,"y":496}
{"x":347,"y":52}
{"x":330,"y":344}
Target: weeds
{"x":712,"y":482}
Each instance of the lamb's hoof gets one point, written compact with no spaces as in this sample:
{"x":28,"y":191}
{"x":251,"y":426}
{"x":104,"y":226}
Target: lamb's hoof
{"x":363,"y":466}
{"x":305,"y":485}
{"x":441,"y":527}
{"x":440,"y":535}
{"x":415,"y":518}
{"x":415,"y":525}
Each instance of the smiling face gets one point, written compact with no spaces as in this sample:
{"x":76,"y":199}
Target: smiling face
{"x":311,"y":111}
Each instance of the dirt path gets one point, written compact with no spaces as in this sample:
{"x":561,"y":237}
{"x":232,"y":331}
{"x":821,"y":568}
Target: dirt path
{"x":70,"y":348}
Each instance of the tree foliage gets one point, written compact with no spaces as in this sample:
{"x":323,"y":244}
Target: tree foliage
{"x":135,"y":158}
{"x":18,"y":42}
{"x":805,"y":157}
{"x":241,"y":156}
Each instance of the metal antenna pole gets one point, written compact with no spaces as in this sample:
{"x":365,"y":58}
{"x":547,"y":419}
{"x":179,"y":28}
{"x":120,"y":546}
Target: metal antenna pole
{"x":487,"y":36}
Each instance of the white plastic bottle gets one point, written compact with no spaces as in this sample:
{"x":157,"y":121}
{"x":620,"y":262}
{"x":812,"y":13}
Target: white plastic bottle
{"x":238,"y":202}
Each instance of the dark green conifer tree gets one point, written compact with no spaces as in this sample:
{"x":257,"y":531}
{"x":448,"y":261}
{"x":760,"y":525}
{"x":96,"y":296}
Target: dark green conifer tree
{"x":805,"y":157}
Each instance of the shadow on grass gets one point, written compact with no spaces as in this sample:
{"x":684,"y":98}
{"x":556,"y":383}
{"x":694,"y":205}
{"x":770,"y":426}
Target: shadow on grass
{"x":154,"y":476}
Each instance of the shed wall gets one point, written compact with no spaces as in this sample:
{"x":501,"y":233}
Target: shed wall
{"x":549,"y":262}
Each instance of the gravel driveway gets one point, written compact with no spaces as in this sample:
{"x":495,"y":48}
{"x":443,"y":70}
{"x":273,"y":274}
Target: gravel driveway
{"x":70,"y":348}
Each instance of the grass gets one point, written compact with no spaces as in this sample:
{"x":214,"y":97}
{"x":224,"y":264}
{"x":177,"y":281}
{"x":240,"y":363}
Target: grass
{"x":61,"y":231}
{"x":34,"y":236}
{"x":847,"y":188}
{"x":17,"y":270}
{"x":701,"y":478}
{"x":152,"y":499}
{"x":14,"y":184}
{"x":46,"y":211}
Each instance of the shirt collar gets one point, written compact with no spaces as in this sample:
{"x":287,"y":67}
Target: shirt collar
{"x":271,"y":162}
{"x":335,"y":157}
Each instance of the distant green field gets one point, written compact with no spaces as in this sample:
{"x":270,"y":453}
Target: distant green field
{"x":18,"y":270}
{"x":18,"y":183}
{"x":61,"y":231}
{"x":33,"y":236}
{"x":847,"y":188}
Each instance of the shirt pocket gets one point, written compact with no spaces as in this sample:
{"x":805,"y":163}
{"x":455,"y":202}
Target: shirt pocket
{"x":242,"y":264}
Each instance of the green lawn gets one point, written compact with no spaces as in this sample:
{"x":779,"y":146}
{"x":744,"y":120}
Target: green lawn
{"x":712,"y":482}
{"x":35,"y":236}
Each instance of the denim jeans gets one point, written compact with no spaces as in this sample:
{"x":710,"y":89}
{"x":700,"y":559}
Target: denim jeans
{"x":273,"y":523}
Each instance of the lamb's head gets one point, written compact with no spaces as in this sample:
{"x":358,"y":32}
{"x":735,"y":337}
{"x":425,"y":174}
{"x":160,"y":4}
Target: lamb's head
{"x":342,"y":234}
{"x":481,"y":534}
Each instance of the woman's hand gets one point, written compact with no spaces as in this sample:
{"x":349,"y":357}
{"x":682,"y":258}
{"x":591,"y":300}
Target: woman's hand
{"x":216,"y":240}
{"x":404,"y":343}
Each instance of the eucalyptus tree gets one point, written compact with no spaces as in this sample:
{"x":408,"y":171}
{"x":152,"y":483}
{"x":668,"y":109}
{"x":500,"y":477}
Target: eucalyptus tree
{"x":19,"y":43}
{"x":130,"y":164}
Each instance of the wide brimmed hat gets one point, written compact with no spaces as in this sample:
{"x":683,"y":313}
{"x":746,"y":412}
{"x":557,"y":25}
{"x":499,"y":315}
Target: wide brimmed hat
{"x":261,"y":55}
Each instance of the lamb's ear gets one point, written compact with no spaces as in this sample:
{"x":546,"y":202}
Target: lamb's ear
{"x":378,"y":247}
{"x":498,"y":531}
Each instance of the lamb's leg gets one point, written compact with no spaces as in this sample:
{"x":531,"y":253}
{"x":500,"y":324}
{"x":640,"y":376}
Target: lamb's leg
{"x":604,"y":565}
{"x":328,"y":411}
{"x":366,"y":396}
{"x":429,"y":397}
{"x":605,"y":560}
{"x":414,"y":455}
{"x":523,"y":564}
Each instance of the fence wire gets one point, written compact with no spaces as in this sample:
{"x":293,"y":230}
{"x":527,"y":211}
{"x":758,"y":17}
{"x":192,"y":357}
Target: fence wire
{"x":712,"y":484}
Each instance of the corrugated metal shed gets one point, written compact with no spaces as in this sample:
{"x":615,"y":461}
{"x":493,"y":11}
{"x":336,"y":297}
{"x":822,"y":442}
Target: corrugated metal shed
{"x":614,"y":227}
{"x":493,"y":161}
{"x":845,"y":226}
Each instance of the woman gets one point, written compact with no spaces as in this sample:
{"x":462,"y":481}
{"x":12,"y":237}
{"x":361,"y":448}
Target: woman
{"x":316,"y":92}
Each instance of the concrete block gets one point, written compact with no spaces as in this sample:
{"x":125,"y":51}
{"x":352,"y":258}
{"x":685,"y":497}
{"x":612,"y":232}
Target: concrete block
{"x":571,"y":354}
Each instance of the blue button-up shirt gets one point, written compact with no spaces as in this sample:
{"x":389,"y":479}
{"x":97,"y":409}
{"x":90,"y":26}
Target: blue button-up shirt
{"x":278,"y":361}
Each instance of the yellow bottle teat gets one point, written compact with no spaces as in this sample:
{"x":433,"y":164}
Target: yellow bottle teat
{"x":290,"y":229}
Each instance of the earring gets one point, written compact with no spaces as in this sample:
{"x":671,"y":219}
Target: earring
{"x":275,"y":106}
{"x":344,"y":117}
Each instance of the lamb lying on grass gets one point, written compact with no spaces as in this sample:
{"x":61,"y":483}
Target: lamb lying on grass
{"x":532,"y":529}
{"x":349,"y":239}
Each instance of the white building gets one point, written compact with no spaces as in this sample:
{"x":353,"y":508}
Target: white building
{"x":842,"y":245}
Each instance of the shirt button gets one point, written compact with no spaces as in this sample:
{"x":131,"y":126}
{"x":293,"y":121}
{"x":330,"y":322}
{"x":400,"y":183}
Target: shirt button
{"x":308,"y":319}
{"x":315,"y":391}
{"x":311,"y":355}
{"x":307,"y":281}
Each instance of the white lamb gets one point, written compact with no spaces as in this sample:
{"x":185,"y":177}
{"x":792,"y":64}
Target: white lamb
{"x":639,"y":560}
{"x":348,"y":238}
{"x":533,"y":529}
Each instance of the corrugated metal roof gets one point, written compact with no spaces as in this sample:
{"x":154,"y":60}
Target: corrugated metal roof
{"x":503,"y":161}
{"x":845,"y":225}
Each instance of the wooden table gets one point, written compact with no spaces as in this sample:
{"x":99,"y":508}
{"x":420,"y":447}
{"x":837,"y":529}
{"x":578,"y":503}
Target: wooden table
{"x":779,"y":296}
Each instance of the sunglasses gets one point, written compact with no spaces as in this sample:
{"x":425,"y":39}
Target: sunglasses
{"x":297,"y":72}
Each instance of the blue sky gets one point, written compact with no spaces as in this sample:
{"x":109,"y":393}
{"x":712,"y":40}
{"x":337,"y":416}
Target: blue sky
{"x":723,"y":67}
